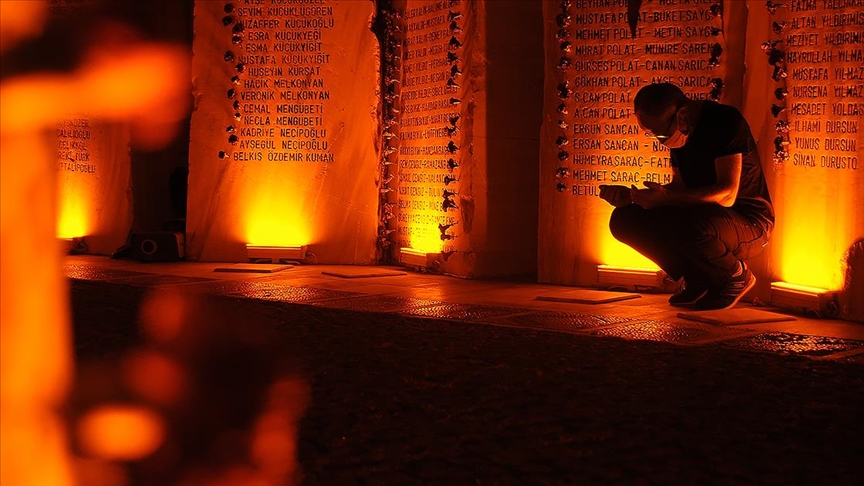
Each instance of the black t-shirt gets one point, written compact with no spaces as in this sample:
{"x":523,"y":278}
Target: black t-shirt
{"x":722,"y":130}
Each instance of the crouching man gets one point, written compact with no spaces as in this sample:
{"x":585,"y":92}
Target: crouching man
{"x":714,"y":214}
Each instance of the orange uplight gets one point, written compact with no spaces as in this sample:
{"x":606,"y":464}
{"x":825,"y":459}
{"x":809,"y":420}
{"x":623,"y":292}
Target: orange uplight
{"x":74,"y":208}
{"x":815,"y":225}
{"x":273,"y":215}
{"x":605,"y":247}
{"x":266,"y":227}
{"x":119,"y":432}
{"x":617,"y":254}
{"x":426,"y":239}
{"x":425,"y":235}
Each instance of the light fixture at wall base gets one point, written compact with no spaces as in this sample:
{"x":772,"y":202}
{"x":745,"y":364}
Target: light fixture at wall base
{"x":409,"y":257}
{"x":802,"y":298}
{"x":642,"y":278}
{"x":275,"y":254}
{"x":73,"y":246}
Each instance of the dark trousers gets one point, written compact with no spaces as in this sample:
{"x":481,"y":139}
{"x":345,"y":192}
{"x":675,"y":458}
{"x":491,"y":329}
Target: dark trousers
{"x":701,"y":243}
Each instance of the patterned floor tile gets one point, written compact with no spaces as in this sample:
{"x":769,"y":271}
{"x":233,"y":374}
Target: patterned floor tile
{"x":284,"y":293}
{"x":671,"y":332}
{"x":379,"y":303}
{"x":463,"y":312}
{"x":794,"y":344}
{"x":87,"y":272}
{"x":160,"y":280}
{"x":560,"y":321}
{"x":222,"y":287}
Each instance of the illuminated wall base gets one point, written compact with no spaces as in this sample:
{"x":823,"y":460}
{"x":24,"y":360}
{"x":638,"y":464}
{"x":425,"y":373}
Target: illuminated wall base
{"x":629,"y":277}
{"x":414,"y":258}
{"x":802,"y":298}
{"x":275,"y":254}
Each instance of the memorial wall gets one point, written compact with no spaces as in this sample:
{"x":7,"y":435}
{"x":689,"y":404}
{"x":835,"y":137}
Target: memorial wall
{"x":94,"y":203}
{"x":801,"y":92}
{"x":94,"y":197}
{"x":309,"y":130}
{"x":285,"y":131}
{"x":434,"y":127}
{"x":465,"y":143}
{"x":599,"y":53}
{"x":807,"y":95}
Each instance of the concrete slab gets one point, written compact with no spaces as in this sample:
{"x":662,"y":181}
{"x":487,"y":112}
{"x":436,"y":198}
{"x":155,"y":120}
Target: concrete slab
{"x":253,"y":268}
{"x":736,"y":316}
{"x":363,"y":272}
{"x":587,"y":296}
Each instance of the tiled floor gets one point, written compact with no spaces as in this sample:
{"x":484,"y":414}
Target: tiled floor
{"x":495,"y":302}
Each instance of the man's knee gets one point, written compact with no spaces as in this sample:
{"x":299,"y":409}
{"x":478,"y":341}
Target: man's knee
{"x":624,"y":222}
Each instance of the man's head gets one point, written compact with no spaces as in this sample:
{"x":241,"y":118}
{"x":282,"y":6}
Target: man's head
{"x":661,"y":110}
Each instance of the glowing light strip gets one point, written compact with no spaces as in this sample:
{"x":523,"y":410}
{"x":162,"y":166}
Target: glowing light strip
{"x":410,"y":256}
{"x":642,"y":277}
{"x":628,"y":270}
{"x":276,"y":253}
{"x":801,"y":289}
{"x":794,"y":296}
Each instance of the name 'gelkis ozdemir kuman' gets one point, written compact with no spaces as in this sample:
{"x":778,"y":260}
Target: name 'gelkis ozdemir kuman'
{"x":714,"y":214}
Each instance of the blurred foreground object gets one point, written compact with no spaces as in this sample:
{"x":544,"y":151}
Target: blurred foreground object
{"x":35,"y":344}
{"x":212,"y":397}
{"x":20,"y":20}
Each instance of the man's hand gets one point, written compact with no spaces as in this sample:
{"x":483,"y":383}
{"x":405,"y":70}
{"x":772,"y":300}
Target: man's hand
{"x":652,"y":196}
{"x":615,"y":195}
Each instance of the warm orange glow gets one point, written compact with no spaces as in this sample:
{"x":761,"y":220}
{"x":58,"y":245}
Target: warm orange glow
{"x":19,"y":20}
{"x":611,"y":251}
{"x":617,"y":254}
{"x":427,"y":238}
{"x":155,"y":377}
{"x":163,"y":315}
{"x":120,"y":432}
{"x":815,"y":223}
{"x":36,"y":101}
{"x":74,"y":205}
{"x":274,"y":440}
{"x":35,"y":358}
{"x":273,"y":215}
{"x":103,"y":473}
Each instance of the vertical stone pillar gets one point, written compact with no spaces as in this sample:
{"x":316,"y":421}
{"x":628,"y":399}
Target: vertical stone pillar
{"x":470,"y":97}
{"x":285,"y":132}
{"x":805,"y":88}
{"x":599,"y":53}
{"x":94,"y":197}
{"x":94,"y":183}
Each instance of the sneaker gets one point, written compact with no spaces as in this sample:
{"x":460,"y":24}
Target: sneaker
{"x":728,"y":296}
{"x":687,"y":294}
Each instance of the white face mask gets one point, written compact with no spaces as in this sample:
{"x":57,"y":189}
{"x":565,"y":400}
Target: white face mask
{"x":677,"y":140}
